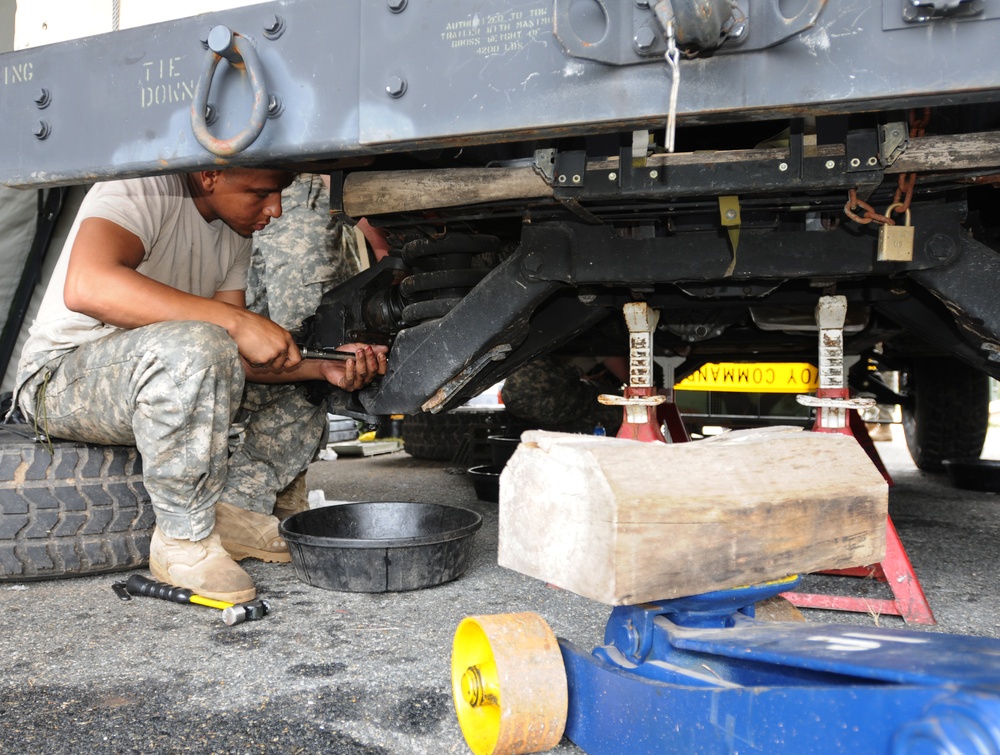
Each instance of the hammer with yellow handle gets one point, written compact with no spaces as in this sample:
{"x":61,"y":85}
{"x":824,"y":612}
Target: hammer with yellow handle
{"x":232,"y":613}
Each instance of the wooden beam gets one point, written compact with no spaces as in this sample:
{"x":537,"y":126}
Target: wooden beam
{"x":369,"y":193}
{"x":381,"y":192}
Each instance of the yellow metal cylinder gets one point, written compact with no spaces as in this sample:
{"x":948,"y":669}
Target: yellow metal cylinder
{"x":508,"y":684}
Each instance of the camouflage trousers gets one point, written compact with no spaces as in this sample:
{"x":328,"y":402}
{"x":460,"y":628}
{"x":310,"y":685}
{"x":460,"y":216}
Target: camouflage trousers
{"x":176,"y":391}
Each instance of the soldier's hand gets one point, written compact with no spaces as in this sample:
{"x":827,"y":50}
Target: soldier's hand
{"x":369,"y":362}
{"x":265,"y":344}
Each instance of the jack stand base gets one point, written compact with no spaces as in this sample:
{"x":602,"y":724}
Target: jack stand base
{"x":895,"y":569}
{"x":908,"y":602}
{"x":642,"y":421}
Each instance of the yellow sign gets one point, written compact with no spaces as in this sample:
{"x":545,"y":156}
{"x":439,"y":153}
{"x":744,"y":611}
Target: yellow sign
{"x":753,"y":377}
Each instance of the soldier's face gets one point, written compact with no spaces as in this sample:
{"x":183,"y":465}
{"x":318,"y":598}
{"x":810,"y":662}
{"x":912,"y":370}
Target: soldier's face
{"x":248,"y":199}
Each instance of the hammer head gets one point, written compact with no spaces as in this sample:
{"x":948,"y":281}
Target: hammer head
{"x":249,"y":611}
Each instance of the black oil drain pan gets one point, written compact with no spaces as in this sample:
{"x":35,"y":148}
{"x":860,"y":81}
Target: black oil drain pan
{"x":380,"y":546}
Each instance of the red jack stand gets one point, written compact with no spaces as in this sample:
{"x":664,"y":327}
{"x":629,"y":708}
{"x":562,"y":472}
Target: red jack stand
{"x":643,"y":406}
{"x":837,"y":413}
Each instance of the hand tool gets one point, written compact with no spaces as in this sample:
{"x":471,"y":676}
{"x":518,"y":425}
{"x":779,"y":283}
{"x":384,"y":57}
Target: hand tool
{"x":337,"y":356}
{"x":232,"y":613}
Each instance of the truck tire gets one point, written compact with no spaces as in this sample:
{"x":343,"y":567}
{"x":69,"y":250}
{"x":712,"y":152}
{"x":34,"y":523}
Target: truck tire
{"x":948,"y":414}
{"x":458,"y":436}
{"x":80,"y":510}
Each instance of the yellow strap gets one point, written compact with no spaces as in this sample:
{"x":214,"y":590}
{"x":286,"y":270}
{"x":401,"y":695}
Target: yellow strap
{"x":729,"y":211}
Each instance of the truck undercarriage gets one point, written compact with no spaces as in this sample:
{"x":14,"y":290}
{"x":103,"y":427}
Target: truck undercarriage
{"x":537,"y":165}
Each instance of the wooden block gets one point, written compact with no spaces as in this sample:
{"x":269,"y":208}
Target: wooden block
{"x":624,"y":522}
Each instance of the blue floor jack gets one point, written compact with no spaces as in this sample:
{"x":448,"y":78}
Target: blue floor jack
{"x":702,"y":675}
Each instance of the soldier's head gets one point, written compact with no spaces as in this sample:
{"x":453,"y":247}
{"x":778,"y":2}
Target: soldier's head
{"x":245,"y":199}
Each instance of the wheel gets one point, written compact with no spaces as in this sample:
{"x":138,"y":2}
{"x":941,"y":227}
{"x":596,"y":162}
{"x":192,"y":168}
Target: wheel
{"x":948,"y":414}
{"x":458,"y":436}
{"x":966,"y":722}
{"x":78,"y":510}
{"x":509,"y":684}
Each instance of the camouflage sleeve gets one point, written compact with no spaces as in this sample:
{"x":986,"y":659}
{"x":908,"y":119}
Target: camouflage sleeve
{"x":301,"y":256}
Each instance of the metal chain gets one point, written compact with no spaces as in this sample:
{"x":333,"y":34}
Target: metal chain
{"x":870,"y":216}
{"x":900,"y":204}
{"x":904,"y":190}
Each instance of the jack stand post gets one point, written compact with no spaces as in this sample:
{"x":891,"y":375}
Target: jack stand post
{"x":642,"y":403}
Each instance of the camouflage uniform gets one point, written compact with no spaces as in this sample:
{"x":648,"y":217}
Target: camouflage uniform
{"x":295,"y":261}
{"x":171,"y":389}
{"x":550,"y":394}
{"x":176,"y":390}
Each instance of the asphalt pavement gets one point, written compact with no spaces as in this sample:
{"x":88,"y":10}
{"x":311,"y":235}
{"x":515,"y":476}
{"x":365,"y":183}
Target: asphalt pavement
{"x":82,"y":671}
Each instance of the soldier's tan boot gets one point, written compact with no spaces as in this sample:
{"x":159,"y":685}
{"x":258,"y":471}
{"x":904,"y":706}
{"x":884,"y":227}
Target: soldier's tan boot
{"x":247,"y":534}
{"x":202,"y":566}
{"x":292,"y":499}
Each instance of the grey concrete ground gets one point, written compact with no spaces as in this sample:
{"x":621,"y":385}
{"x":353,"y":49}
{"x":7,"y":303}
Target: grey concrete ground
{"x":81,"y":671}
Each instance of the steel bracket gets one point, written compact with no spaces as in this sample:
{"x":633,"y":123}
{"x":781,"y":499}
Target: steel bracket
{"x":919,"y":11}
{"x":893,"y":140}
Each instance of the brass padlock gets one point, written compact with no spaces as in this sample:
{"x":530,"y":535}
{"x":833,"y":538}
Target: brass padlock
{"x":895,"y":242}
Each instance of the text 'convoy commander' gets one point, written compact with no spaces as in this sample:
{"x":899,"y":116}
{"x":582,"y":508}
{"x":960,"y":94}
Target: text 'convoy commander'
{"x":143,"y":338}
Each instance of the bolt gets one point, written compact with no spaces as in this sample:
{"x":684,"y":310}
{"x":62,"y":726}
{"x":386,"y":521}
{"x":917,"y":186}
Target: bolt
{"x":211,"y":114}
{"x":396,"y":86}
{"x":612,"y":176}
{"x":576,"y":179}
{"x":654,"y":174}
{"x":220,"y":41}
{"x":274,"y":27}
{"x":855,"y":162}
{"x":644,"y":39}
{"x":782,"y":167}
{"x":731,"y":214}
{"x":830,"y":164}
{"x":43,"y":98}
{"x":533,"y":263}
{"x":737,"y":32}
{"x":940,"y":246}
{"x":872,"y":161}
{"x":274,"y":105}
{"x":562,"y":179}
{"x":397,"y":6}
{"x":42,"y":130}
{"x":642,"y":4}
{"x":472,"y":687}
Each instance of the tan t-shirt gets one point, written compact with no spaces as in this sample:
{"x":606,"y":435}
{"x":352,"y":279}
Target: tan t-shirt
{"x":182,"y":250}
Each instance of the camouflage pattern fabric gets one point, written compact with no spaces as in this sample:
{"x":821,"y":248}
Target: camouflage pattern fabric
{"x":300,"y":256}
{"x":172,"y":390}
{"x":550,"y":394}
{"x":177,"y":390}
{"x":295,"y":261}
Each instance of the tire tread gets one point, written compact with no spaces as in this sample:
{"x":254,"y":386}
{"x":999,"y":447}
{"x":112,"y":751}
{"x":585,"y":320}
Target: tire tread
{"x":80,"y":510}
